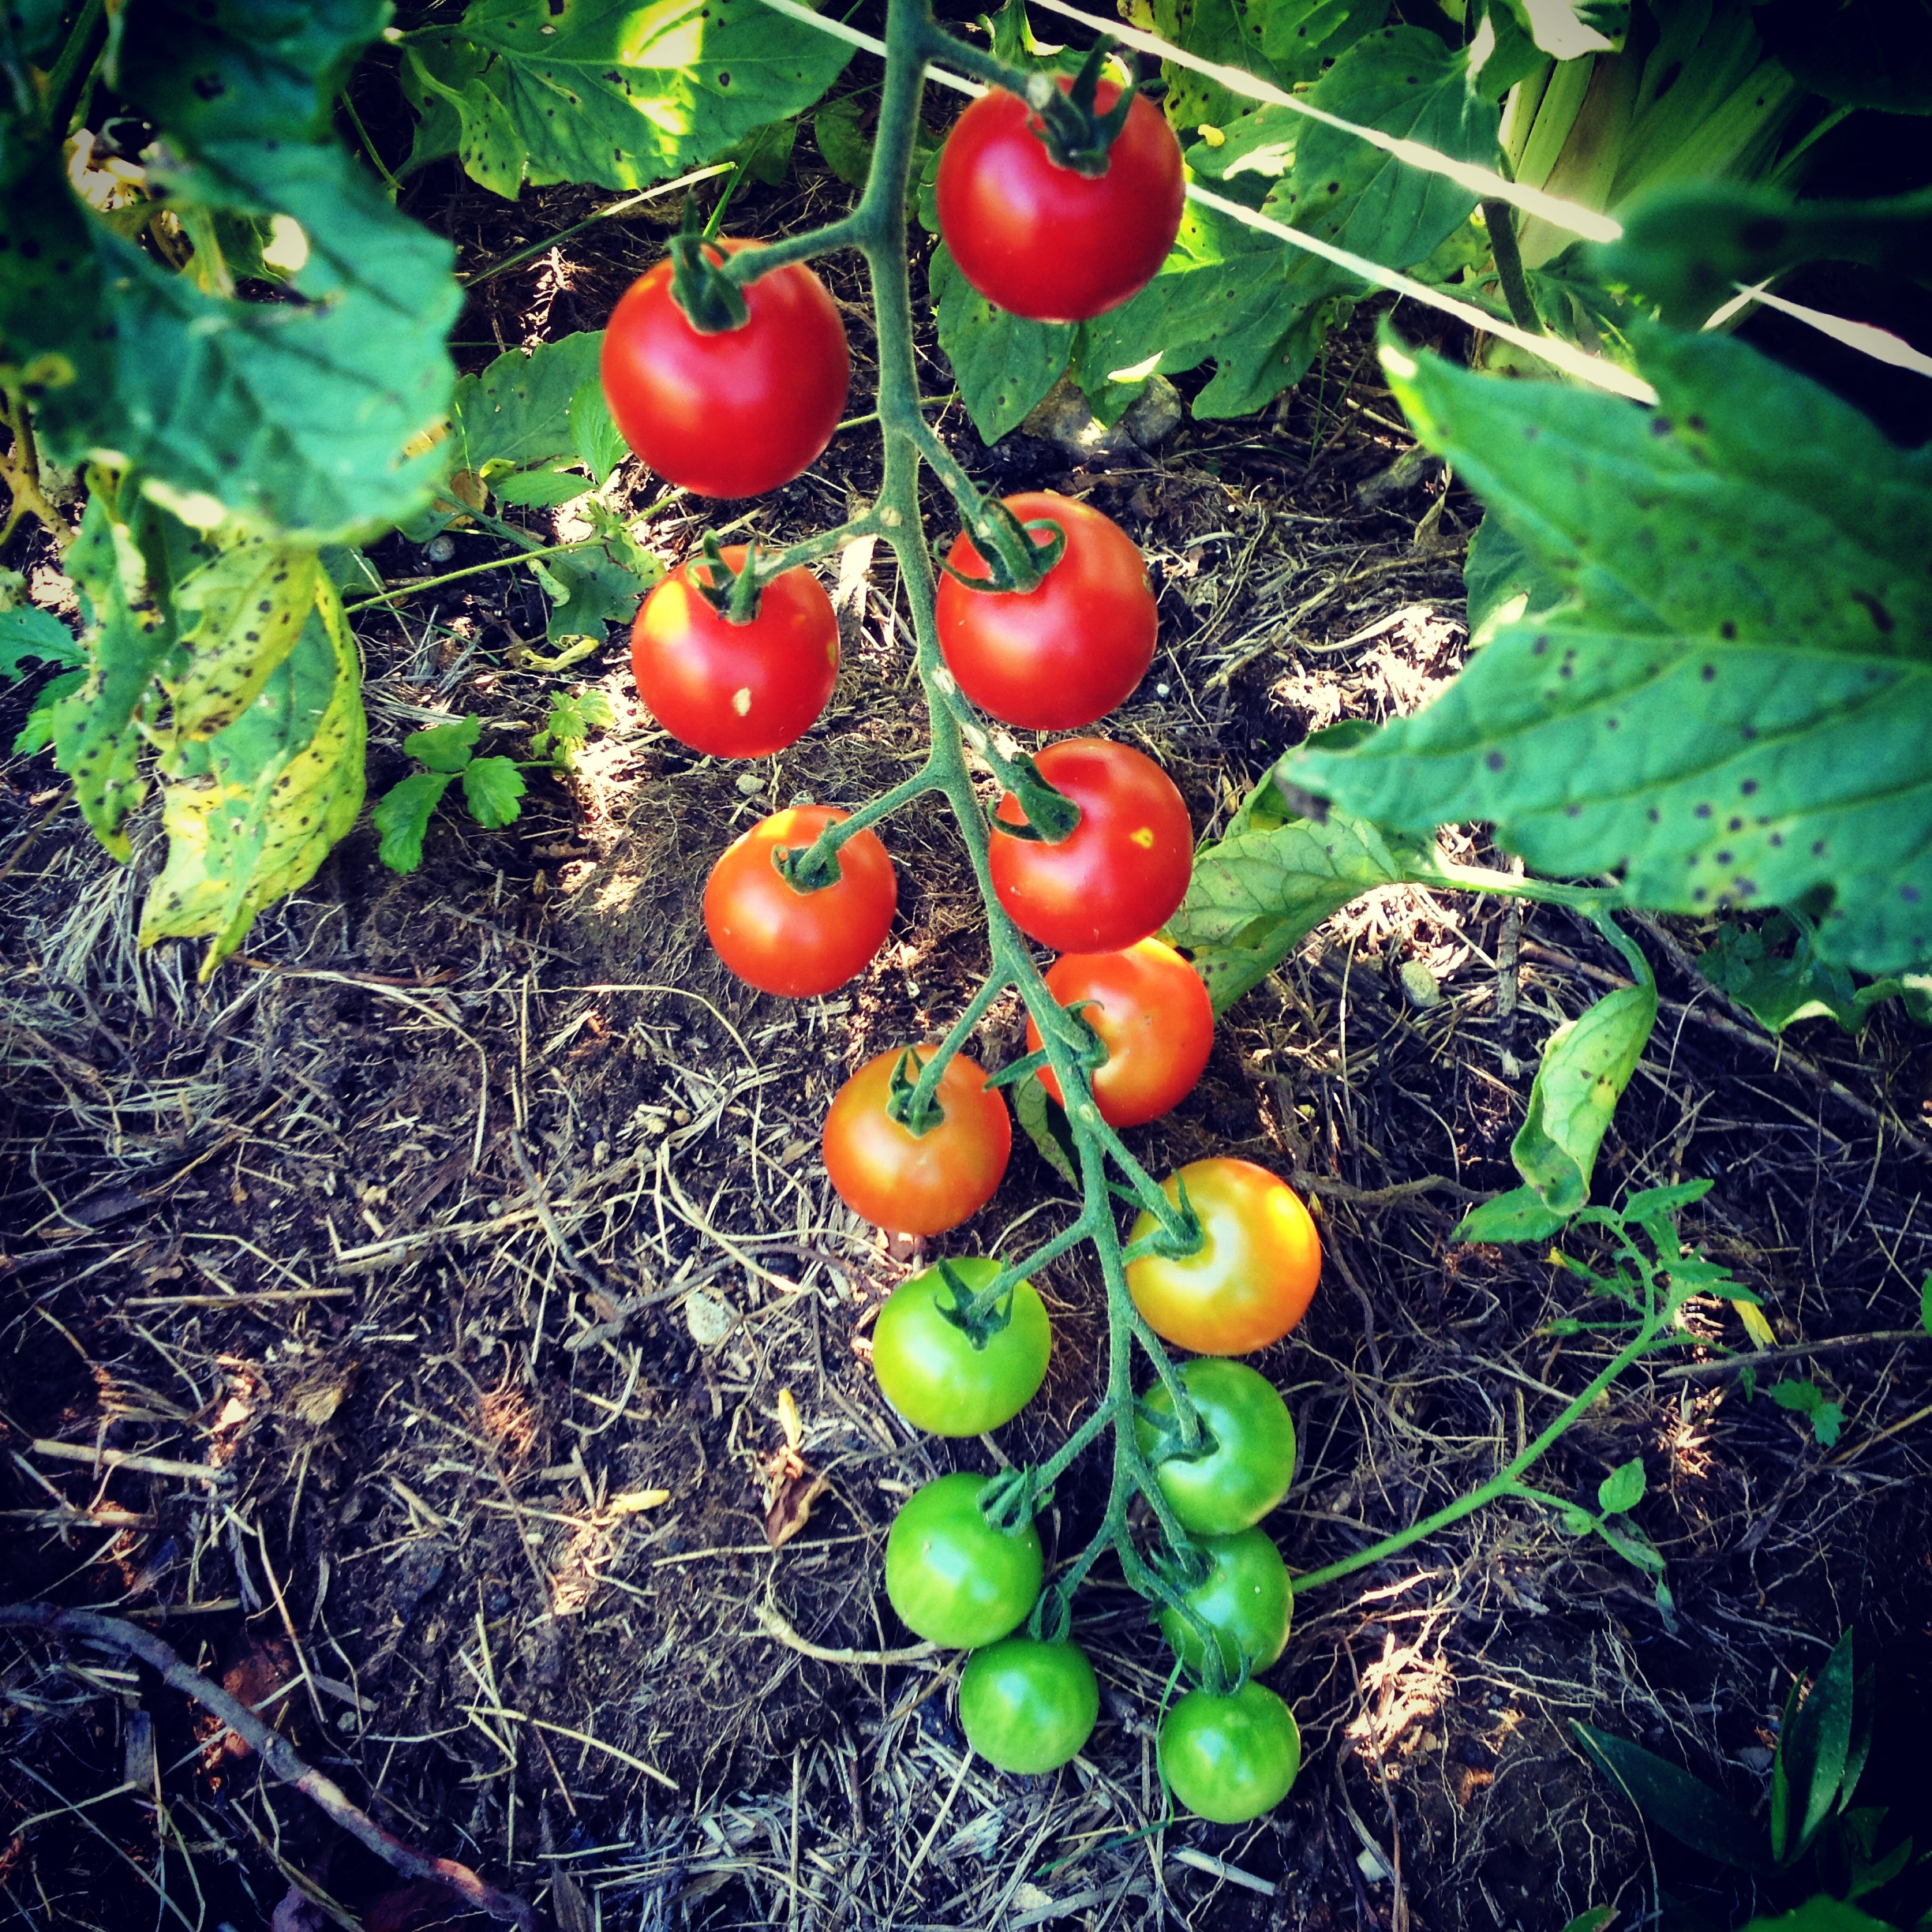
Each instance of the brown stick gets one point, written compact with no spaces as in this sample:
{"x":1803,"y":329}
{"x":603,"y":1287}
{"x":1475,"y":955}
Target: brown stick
{"x":273,"y":1749}
{"x":1794,"y":1351}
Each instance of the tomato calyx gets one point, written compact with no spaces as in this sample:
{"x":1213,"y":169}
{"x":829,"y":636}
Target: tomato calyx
{"x":1049,"y":816}
{"x":1176,"y":1572}
{"x":1015,"y":562}
{"x":977,"y":1316}
{"x":712,"y":301}
{"x":900,"y":1094}
{"x":1010,"y":1500}
{"x":1074,"y":135}
{"x":1170,"y":1443}
{"x":1171,"y":1244}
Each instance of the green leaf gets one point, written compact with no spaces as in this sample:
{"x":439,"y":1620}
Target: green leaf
{"x":1691,"y":1811}
{"x":1689,"y":246}
{"x":1822,"y":1913}
{"x":31,"y":636}
{"x":1005,"y":363}
{"x":569,"y":724}
{"x":445,"y":747}
{"x":839,"y":129}
{"x":1299,"y":38}
{"x":1046,"y":1122}
{"x":1586,"y":1067}
{"x":1226,"y":31}
{"x":611,"y":92}
{"x":1502,"y":582}
{"x":765,"y":153}
{"x":1925,"y":1304}
{"x":1594,"y":1920}
{"x":1734,"y":706}
{"x":493,"y":790}
{"x":1807,"y":1399}
{"x":540,"y":489}
{"x":37,"y":732}
{"x":517,"y":414}
{"x":1256,"y":895}
{"x":251,"y":813}
{"x":1521,"y":1215}
{"x":293,"y":415}
{"x":402,"y":816}
{"x":597,"y":590}
{"x":1622,"y":1489}
{"x":1814,"y":1745}
{"x":445,"y":81}
{"x":595,"y":438}
{"x":1780,"y":988}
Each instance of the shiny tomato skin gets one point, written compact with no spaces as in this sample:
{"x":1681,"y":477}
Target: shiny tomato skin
{"x":1041,"y":241}
{"x":737,"y":413}
{"x":1121,"y":873}
{"x":1057,"y":656}
{"x":1028,"y":1707}
{"x":1252,"y":1279}
{"x":1245,"y":1601}
{"x":924,"y":1184}
{"x":954,"y":1579}
{"x":929,"y":1369}
{"x":1153,"y":1016}
{"x":1229,"y":1759}
{"x":735,"y":690}
{"x":783,"y":941}
{"x":1246,"y":1472}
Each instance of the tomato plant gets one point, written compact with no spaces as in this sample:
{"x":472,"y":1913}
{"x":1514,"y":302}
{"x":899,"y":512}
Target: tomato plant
{"x":1065,"y":653}
{"x":1229,"y":1759}
{"x":917,"y":1183}
{"x":782,"y":940}
{"x":1027,"y":1706}
{"x":1154,"y":1017}
{"x":732,"y":412}
{"x":954,"y":1579}
{"x":735,"y":689}
{"x":943,"y":1375}
{"x":1119,"y":874}
{"x":1246,"y":1601}
{"x":1042,"y":240}
{"x":1249,"y":1462}
{"x":1253,"y":1277}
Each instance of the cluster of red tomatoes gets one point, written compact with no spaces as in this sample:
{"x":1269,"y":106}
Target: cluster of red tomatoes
{"x":741,"y":411}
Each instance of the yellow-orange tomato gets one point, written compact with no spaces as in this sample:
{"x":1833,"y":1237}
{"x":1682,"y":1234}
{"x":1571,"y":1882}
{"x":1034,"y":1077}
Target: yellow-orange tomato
{"x":1253,"y":1277}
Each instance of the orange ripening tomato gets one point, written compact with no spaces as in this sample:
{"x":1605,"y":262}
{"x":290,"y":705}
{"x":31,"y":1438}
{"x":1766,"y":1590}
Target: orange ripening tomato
{"x":1154,"y":1017}
{"x":782,"y":940}
{"x":1253,"y":1277}
{"x":1057,"y":656}
{"x":735,"y":689}
{"x":917,"y":1184}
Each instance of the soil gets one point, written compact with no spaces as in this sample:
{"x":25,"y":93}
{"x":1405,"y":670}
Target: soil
{"x":469,"y":1235}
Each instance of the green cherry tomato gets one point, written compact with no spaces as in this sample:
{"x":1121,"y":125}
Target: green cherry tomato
{"x":933,"y":1372}
{"x":1245,"y":1601}
{"x":1029,"y":1706}
{"x":1246,"y":1471}
{"x":1230,"y":1759}
{"x":954,"y":1579}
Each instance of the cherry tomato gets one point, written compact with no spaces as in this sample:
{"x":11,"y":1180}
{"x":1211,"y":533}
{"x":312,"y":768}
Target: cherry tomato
{"x":1027,"y":1706}
{"x":929,"y":1368}
{"x":1057,"y":656}
{"x":1248,"y":1469}
{"x":1250,"y":1281}
{"x":920,"y":1184}
{"x":1154,"y":1017}
{"x":1245,"y":1601}
{"x":1042,"y":241}
{"x":739,"y":412}
{"x":954,"y":1579}
{"x":1229,"y":1759}
{"x":1122,"y":872}
{"x":735,"y":690}
{"x":782,"y":940}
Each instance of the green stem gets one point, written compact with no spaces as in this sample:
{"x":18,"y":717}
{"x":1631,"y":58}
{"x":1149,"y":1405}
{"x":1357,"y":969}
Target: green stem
{"x":79,"y":56}
{"x":1499,"y":218}
{"x":421,"y":584}
{"x":369,"y":146}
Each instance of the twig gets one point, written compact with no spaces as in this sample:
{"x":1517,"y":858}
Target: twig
{"x":569,"y":1257}
{"x":1795,"y":1351}
{"x":774,"y":1623}
{"x":274,"y":1749}
{"x":1333,"y":1254}
{"x":119,"y":1458}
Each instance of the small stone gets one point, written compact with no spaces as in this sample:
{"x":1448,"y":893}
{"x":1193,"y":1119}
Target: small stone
{"x":709,"y":1319}
{"x":751,"y":784}
{"x":439,"y":549}
{"x":1419,"y":983}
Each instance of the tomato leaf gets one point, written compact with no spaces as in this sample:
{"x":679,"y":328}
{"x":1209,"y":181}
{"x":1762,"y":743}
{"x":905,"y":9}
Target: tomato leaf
{"x":1004,"y":364}
{"x":1807,"y":1399}
{"x":402,"y":816}
{"x":1780,"y":988}
{"x":1502,"y":582}
{"x":1820,"y":1913}
{"x":493,"y":790}
{"x":1925,"y":1304}
{"x":595,"y":437}
{"x":1046,"y":1122}
{"x":605,"y":91}
{"x":838,"y":127}
{"x":540,"y":489}
{"x":238,"y":616}
{"x":1734,"y":706}
{"x":1622,"y":1489}
{"x":445,"y":747}
{"x":30,"y":635}
{"x":518,"y":412}
{"x":1689,"y":1810}
{"x":1227,"y":32}
{"x":1814,"y":1747}
{"x":36,"y":733}
{"x":251,"y":812}
{"x":596,"y":589}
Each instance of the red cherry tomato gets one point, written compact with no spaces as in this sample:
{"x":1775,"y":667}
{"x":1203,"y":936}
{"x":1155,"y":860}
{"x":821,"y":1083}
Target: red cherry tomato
{"x":736,"y":413}
{"x":1122,"y":872}
{"x":917,"y":1184}
{"x":782,"y":940}
{"x":1254,"y":1276}
{"x":1042,"y":241}
{"x":735,"y":690}
{"x":1060,"y":655}
{"x":1154,"y":1017}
